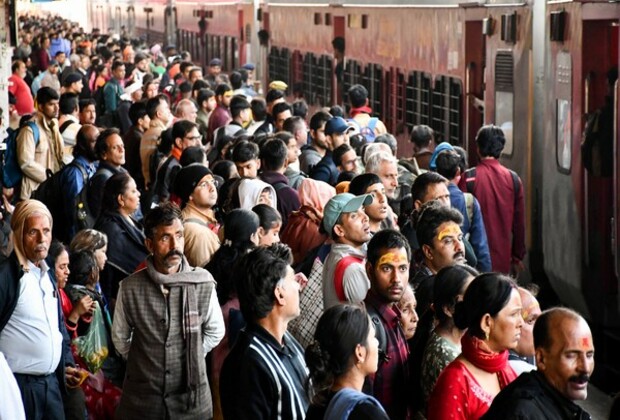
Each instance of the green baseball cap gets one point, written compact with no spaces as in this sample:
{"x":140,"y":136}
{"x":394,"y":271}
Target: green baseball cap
{"x":342,"y":203}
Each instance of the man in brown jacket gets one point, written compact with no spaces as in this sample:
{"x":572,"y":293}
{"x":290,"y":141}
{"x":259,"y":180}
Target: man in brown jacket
{"x":36,"y":158}
{"x":158,"y":110}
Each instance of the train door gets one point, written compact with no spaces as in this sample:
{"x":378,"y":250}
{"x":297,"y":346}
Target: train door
{"x":475,"y":47}
{"x":339,"y":62}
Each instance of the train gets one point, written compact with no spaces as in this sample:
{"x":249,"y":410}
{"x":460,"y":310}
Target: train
{"x":538,"y":69}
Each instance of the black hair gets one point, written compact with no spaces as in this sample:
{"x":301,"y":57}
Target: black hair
{"x":358,"y":95}
{"x":488,"y":293}
{"x":166,"y":142}
{"x":68,"y":103}
{"x":386,"y":239}
{"x":449,"y":284}
{"x":328,"y":358}
{"x":15,"y":66}
{"x":542,"y":333}
{"x":259,"y":109}
{"x":84,"y":103}
{"x":339,"y":152}
{"x":245,"y":151}
{"x":181,"y":128}
{"x":221,"y":89}
{"x":300,"y":108}
{"x":101,"y":145}
{"x":462,"y":157}
{"x":82,"y":265}
{"x":223,"y":168}
{"x":421,"y":183}
{"x":388,"y":139}
{"x":163,"y":215}
{"x":427,"y":219}
{"x":194,"y":154}
{"x":447,"y":163}
{"x":47,"y":94}
{"x":360,"y":183}
{"x":153,"y":103}
{"x":285,"y":136}
{"x":56,"y":248}
{"x":238,"y":103}
{"x":421,"y":135}
{"x":116,"y":185}
{"x":184,"y":65}
{"x":345,"y":176}
{"x":185,"y":87}
{"x":257,"y":275}
{"x":235,"y":80}
{"x":273,"y":95}
{"x":336,"y":111}
{"x":199,"y":84}
{"x":137,"y":111}
{"x":319,"y":119}
{"x":268,"y":216}
{"x":339,"y":44}
{"x":273,"y":154}
{"x":204,"y":95}
{"x":280,"y":108}
{"x":116,"y":64}
{"x":490,"y":140}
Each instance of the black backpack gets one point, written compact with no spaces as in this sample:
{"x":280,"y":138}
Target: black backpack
{"x":50,"y":193}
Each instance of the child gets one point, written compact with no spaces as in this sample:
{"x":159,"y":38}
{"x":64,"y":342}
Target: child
{"x":270,"y":224}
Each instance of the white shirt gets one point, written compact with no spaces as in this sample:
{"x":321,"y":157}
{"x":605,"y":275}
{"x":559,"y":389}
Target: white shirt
{"x":11,"y":405}
{"x":31,"y":340}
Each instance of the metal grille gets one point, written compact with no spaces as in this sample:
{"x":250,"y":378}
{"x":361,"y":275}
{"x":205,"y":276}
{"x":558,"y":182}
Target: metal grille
{"x":446,"y":109}
{"x":417,"y":99}
{"x":373,"y":81}
{"x":309,"y":64}
{"x":279,"y":65}
{"x":504,"y":71}
{"x":351,"y":76}
{"x":317,"y":79}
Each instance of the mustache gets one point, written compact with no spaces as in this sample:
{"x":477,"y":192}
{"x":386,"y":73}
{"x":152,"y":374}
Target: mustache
{"x":174,"y":253}
{"x":459,"y":254}
{"x":584,"y":377}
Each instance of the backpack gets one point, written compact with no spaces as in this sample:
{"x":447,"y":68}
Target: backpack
{"x":11,"y":172}
{"x":368,"y":131}
{"x":344,"y":402}
{"x":79,"y":215}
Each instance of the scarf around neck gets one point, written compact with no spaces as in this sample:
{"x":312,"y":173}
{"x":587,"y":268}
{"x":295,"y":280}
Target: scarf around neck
{"x":478,"y":353}
{"x":361,"y":110}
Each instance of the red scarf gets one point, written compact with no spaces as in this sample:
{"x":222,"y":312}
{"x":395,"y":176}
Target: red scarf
{"x":478,"y":353}
{"x":361,"y":110}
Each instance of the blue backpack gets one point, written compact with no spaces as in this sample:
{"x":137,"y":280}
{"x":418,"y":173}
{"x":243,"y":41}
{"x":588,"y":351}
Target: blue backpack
{"x":11,"y":172}
{"x":368,"y":131}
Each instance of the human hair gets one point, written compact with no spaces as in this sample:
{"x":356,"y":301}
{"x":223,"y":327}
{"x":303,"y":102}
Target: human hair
{"x":137,"y":111}
{"x":16,"y":65}
{"x":542,"y":333}
{"x":328,"y":358}
{"x":245,"y":151}
{"x":336,"y":111}
{"x":101,"y":145}
{"x":293,"y":124}
{"x":238,"y":104}
{"x":421,"y":183}
{"x":319,"y":119}
{"x":257,"y":275}
{"x":358,"y":95}
{"x":448,"y":162}
{"x":386,"y":239}
{"x":85,"y":103}
{"x":360,"y":183}
{"x":82,"y":146}
{"x":273,"y":95}
{"x":116,"y":64}
{"x":273,"y":154}
{"x":236,"y":79}
{"x":56,"y":248}
{"x":194,"y":154}
{"x":462,"y":157}
{"x":421,"y":135}
{"x":285,"y":136}
{"x":152,"y":104}
{"x":490,"y":140}
{"x":259,"y":109}
{"x":204,"y":95}
{"x":223,"y":168}
{"x":281,"y":107}
{"x":166,"y":142}
{"x":339,"y":152}
{"x":46,"y":95}
{"x":388,"y":139}
{"x":345,"y":176}
{"x":339,"y":44}
{"x":199,"y":84}
{"x":488,"y":293}
{"x":221,"y":89}
{"x":300,"y":108}
{"x":88,"y":240}
{"x":376,"y":159}
{"x":182,"y":128}
{"x":185,"y":87}
{"x":116,"y":185}
{"x":427,"y":219}
{"x":163,"y":215}
{"x":82,"y":265}
{"x":68,"y":103}
{"x":449,"y":284}
{"x":267,"y":215}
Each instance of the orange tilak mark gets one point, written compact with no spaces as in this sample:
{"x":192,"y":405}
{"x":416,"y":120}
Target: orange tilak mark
{"x":449,"y":231}
{"x":393,"y":258}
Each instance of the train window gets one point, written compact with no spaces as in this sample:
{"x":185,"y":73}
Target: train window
{"x":274,"y":55}
{"x":279,"y":64}
{"x":446,"y":109}
{"x":417,"y":99}
{"x":373,"y":81}
{"x":563,"y":135}
{"x":351,"y":76}
{"x":504,"y":97}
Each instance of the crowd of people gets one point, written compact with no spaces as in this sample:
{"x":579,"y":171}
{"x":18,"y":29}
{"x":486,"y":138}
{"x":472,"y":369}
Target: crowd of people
{"x":248,"y":259}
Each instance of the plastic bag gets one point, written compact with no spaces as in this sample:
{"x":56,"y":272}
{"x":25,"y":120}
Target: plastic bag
{"x":92,"y":348}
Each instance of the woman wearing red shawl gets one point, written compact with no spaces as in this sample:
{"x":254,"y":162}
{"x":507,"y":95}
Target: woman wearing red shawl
{"x":491,"y":312}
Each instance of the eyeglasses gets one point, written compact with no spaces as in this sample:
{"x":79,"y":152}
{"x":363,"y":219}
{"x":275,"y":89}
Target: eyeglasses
{"x":204,"y":184}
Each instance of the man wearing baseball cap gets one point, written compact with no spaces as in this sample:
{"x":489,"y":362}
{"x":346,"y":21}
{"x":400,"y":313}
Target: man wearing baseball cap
{"x":336,"y":130}
{"x":196,"y":188}
{"x":344,"y":273}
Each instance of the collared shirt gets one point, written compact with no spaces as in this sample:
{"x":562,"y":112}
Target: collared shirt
{"x":392,"y":376}
{"x":31,"y":340}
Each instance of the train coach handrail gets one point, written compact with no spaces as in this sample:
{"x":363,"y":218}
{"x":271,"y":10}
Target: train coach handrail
{"x":614,"y":219}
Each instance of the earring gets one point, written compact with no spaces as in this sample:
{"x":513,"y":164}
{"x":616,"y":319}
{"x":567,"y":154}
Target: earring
{"x":486,"y":335}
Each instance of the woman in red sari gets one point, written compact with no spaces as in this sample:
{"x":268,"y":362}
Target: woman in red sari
{"x":491,"y":312}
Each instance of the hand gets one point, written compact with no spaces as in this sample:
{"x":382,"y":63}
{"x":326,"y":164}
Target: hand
{"x":84,"y":306}
{"x":74,"y":376}
{"x":302,"y":280}
{"x":517,"y":267}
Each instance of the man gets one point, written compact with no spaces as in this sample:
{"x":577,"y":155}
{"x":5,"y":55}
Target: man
{"x":113,"y":89}
{"x":264,"y":375}
{"x":206,"y":105}
{"x":281,"y":112}
{"x":345,"y":158}
{"x":274,"y":97}
{"x":387,"y":267}
{"x":50,"y":77}
{"x":473,"y":225}
{"x":68,"y":122}
{"x":33,"y":337}
{"x":215,"y":76}
{"x":336,"y":130}
{"x":158,"y":110}
{"x":19,"y":88}
{"x":141,"y":62}
{"x":221,"y":114}
{"x":423,"y":139}
{"x":273,"y":156}
{"x":166,"y":320}
{"x":36,"y":158}
{"x":522,"y":358}
{"x":344,"y":275}
{"x":377,"y":211}
{"x":314,"y":152}
{"x":360,"y":112}
{"x":500,"y":193}
{"x":186,"y":110}
{"x":140,"y":122}
{"x":297,"y":127}
{"x":245,"y":156}
{"x":385,"y":166}
{"x":110,"y":150}
{"x":293,"y":175}
{"x":196,"y":188}
{"x":73,"y":83}
{"x":185,"y":134}
{"x":88,"y":111}
{"x":241,"y":114}
{"x":565,"y":360}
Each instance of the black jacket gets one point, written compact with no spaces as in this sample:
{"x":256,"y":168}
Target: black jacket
{"x":531,"y":397}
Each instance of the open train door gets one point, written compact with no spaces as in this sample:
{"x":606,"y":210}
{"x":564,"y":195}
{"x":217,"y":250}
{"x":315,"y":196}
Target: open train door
{"x":339,"y":62}
{"x":475,"y":48}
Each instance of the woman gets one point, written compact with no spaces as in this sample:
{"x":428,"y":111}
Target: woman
{"x":245,"y":193}
{"x":408,"y":314}
{"x":339,"y":367}
{"x":92,"y":241}
{"x":126,"y":249}
{"x":444,"y":343}
{"x":491,"y":313}
{"x":270,"y":224}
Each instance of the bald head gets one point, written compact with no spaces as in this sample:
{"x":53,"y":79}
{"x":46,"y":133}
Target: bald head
{"x":186,"y":110}
{"x":530,"y":313}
